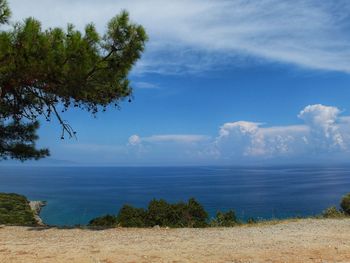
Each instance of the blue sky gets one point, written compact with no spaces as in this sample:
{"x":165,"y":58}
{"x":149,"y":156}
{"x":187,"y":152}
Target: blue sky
{"x":220,"y":82}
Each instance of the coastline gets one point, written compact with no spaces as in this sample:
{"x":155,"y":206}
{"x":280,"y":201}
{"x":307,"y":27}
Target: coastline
{"x":299,"y":240}
{"x":36,"y":207}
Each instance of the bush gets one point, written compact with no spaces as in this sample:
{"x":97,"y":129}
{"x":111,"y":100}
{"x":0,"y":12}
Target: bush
{"x":345,"y":204}
{"x":15,"y":210}
{"x":195,"y":214}
{"x":332,"y":212}
{"x":104,"y":221}
{"x":160,"y":213}
{"x":129,"y":216}
{"x":252,"y":220}
{"x":190,"y":214}
{"x":180,"y":215}
{"x":223,"y":219}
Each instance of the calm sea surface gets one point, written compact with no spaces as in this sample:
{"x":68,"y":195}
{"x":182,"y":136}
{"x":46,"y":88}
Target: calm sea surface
{"x":75,"y":195}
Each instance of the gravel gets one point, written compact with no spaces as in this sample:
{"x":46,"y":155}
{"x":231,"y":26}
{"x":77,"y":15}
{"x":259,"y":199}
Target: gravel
{"x":307,"y":240}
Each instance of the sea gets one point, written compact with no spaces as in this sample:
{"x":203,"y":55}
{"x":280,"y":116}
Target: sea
{"x":75,"y":195}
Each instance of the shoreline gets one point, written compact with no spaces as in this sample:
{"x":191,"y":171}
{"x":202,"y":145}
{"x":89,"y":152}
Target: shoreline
{"x":36,"y":207}
{"x":300,"y":240}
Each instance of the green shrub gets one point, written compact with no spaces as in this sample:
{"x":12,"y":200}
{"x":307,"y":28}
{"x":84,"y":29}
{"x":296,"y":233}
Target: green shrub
{"x":104,"y":221}
{"x":345,"y":204}
{"x":223,"y":219}
{"x":160,"y":213}
{"x":252,"y":220}
{"x":194,"y":215}
{"x":15,"y":210}
{"x":332,"y":212}
{"x":180,"y":216}
{"x":130,"y":216}
{"x":190,"y":214}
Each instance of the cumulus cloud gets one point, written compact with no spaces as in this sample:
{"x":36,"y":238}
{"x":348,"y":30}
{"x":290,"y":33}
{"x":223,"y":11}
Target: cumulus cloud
{"x":251,"y":139}
{"x":243,"y":136}
{"x":134,"y":140}
{"x":196,"y":35}
{"x":322,"y":132}
{"x":324,"y":127}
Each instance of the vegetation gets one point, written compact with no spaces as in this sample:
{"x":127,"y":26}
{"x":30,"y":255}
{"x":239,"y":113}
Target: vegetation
{"x":129,"y":216}
{"x":15,"y":210}
{"x":162,"y":213}
{"x":252,"y":220}
{"x":104,"y":221}
{"x":158,"y":213}
{"x":332,"y":212}
{"x":223,"y":219}
{"x":45,"y":72}
{"x":192,"y":214}
{"x":345,"y":204}
{"x":195,"y":214}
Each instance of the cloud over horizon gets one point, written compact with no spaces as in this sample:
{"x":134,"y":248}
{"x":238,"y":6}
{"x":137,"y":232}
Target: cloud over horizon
{"x":195,"y":36}
{"x":324,"y":132}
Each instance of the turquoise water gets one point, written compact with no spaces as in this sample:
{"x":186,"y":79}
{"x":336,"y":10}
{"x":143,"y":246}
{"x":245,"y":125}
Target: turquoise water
{"x":75,"y":195}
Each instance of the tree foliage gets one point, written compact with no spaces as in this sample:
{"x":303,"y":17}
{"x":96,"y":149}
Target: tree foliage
{"x":104,"y":221}
{"x":5,"y":12}
{"x":15,"y":210}
{"x":17,"y":141}
{"x":345,"y":204}
{"x":332,"y":212}
{"x":190,"y":214}
{"x":45,"y":72}
{"x":158,"y":213}
{"x":130,"y":216}
{"x":225,"y":219}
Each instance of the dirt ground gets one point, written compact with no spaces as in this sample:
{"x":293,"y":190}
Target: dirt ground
{"x":308,"y":240}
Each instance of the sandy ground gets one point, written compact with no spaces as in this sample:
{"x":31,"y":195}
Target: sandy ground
{"x":299,"y":241}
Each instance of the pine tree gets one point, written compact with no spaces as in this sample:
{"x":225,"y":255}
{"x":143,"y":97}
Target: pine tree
{"x":46,"y":72}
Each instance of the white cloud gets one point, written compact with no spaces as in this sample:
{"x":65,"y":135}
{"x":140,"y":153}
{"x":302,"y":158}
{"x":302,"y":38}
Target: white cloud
{"x":324,"y":131}
{"x":324,"y":134}
{"x":134,"y":140}
{"x":198,"y":35}
{"x":324,"y":127}
{"x":251,"y":139}
{"x":240,"y":137}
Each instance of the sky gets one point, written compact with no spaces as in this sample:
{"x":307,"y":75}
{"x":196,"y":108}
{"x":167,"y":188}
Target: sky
{"x":221,"y":82}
